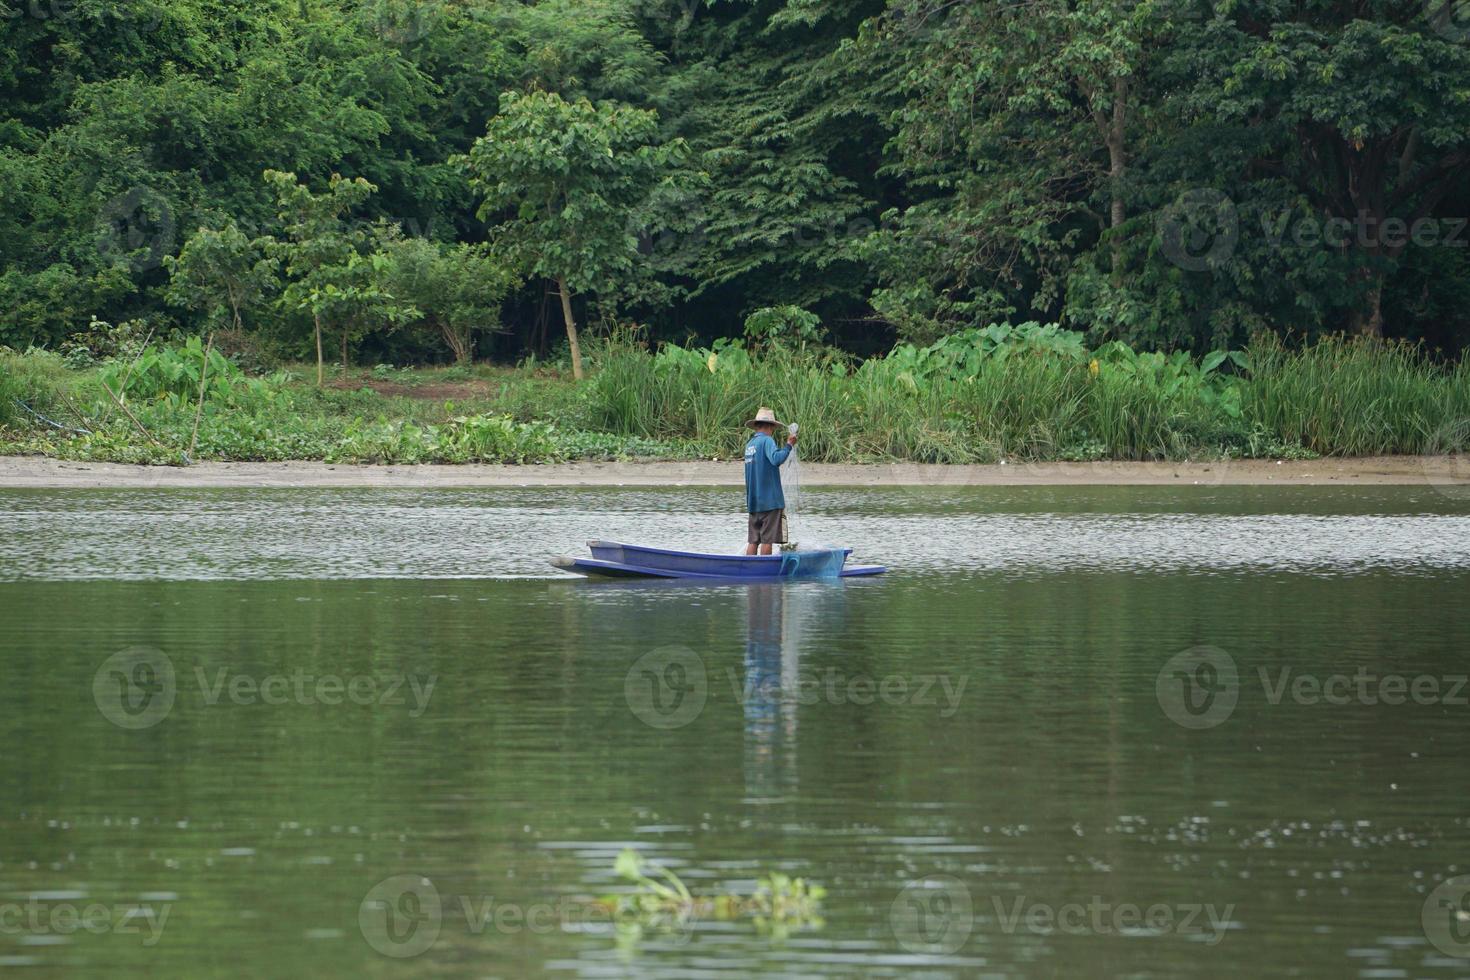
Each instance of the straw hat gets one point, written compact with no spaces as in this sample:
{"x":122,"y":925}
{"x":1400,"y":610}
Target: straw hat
{"x":764,"y":414}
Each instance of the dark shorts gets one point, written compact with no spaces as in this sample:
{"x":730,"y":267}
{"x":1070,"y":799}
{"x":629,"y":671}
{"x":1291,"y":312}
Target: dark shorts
{"x":765,"y":527}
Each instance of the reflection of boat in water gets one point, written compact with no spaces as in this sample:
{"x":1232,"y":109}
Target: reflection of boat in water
{"x":776,"y":621}
{"x":609,"y":558}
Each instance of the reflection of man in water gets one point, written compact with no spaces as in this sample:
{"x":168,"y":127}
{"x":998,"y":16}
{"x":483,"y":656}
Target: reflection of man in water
{"x":770,"y":723}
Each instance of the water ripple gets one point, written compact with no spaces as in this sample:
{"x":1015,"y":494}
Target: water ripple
{"x":351,"y":534}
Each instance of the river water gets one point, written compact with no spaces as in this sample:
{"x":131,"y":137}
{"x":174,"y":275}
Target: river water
{"x":1088,"y":731}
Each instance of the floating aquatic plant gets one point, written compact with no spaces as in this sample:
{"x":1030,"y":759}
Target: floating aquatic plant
{"x":781,"y":904}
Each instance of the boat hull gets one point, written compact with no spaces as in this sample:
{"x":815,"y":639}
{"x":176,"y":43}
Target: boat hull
{"x":611,"y":558}
{"x":607,"y":569}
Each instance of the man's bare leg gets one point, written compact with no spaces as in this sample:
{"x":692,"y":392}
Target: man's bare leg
{"x":750,"y":549}
{"x":765,"y":549}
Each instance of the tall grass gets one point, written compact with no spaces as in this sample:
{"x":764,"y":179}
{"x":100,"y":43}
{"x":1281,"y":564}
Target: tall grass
{"x":1028,"y":392}
{"x":1350,"y":398}
{"x":33,"y":382}
{"x":948,"y":404}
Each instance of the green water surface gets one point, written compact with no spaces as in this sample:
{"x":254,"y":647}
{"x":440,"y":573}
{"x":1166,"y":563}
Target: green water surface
{"x":982,"y":761}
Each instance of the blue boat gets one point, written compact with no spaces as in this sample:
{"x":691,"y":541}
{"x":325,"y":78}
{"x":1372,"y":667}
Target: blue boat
{"x":610,"y":558}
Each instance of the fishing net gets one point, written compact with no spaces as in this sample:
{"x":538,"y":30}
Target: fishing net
{"x":791,"y":485}
{"x":805,"y":563}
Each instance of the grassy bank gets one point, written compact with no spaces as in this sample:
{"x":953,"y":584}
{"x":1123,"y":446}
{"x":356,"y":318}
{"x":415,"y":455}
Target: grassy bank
{"x":1037,"y":393}
{"x":145,"y":412}
{"x":1020,"y":393}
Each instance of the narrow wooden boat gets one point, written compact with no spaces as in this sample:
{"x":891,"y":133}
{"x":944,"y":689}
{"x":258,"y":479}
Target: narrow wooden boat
{"x":610,"y":558}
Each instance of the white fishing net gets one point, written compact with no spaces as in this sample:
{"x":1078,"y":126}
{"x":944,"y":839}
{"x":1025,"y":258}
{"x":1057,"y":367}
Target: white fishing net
{"x":791,"y":486}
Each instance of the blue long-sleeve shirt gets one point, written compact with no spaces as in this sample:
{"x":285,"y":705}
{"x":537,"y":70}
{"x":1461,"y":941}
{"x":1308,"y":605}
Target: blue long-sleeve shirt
{"x":763,"y":474}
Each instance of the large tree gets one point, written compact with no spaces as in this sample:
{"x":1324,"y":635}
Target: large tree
{"x":564,"y":184}
{"x":1015,"y":129}
{"x":1369,"y":105}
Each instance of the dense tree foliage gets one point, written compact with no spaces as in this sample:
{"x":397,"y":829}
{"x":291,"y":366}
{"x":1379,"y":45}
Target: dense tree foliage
{"x":406,"y":178}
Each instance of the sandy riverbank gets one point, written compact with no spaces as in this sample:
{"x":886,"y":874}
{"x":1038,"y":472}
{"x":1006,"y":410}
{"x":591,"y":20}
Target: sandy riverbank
{"x":31,"y":471}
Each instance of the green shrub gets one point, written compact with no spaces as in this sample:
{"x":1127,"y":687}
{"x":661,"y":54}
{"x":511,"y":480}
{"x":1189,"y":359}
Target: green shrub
{"x":175,"y":372}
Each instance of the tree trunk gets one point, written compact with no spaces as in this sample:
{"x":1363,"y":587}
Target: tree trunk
{"x":1117,"y":168}
{"x":316,"y":318}
{"x":1367,"y":321}
{"x":566,"y":312}
{"x":199,"y":409}
{"x":235,"y":309}
{"x":344,"y":352}
{"x":461,"y":341}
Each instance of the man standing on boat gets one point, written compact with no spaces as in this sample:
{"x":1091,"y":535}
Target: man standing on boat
{"x":763,"y":497}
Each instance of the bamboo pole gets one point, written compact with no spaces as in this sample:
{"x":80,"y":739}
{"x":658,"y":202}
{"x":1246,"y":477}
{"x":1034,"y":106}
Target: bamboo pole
{"x":199,"y":409}
{"x":118,"y":402}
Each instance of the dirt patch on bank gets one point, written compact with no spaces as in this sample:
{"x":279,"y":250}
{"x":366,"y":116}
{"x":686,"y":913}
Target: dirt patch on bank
{"x":433,"y":391}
